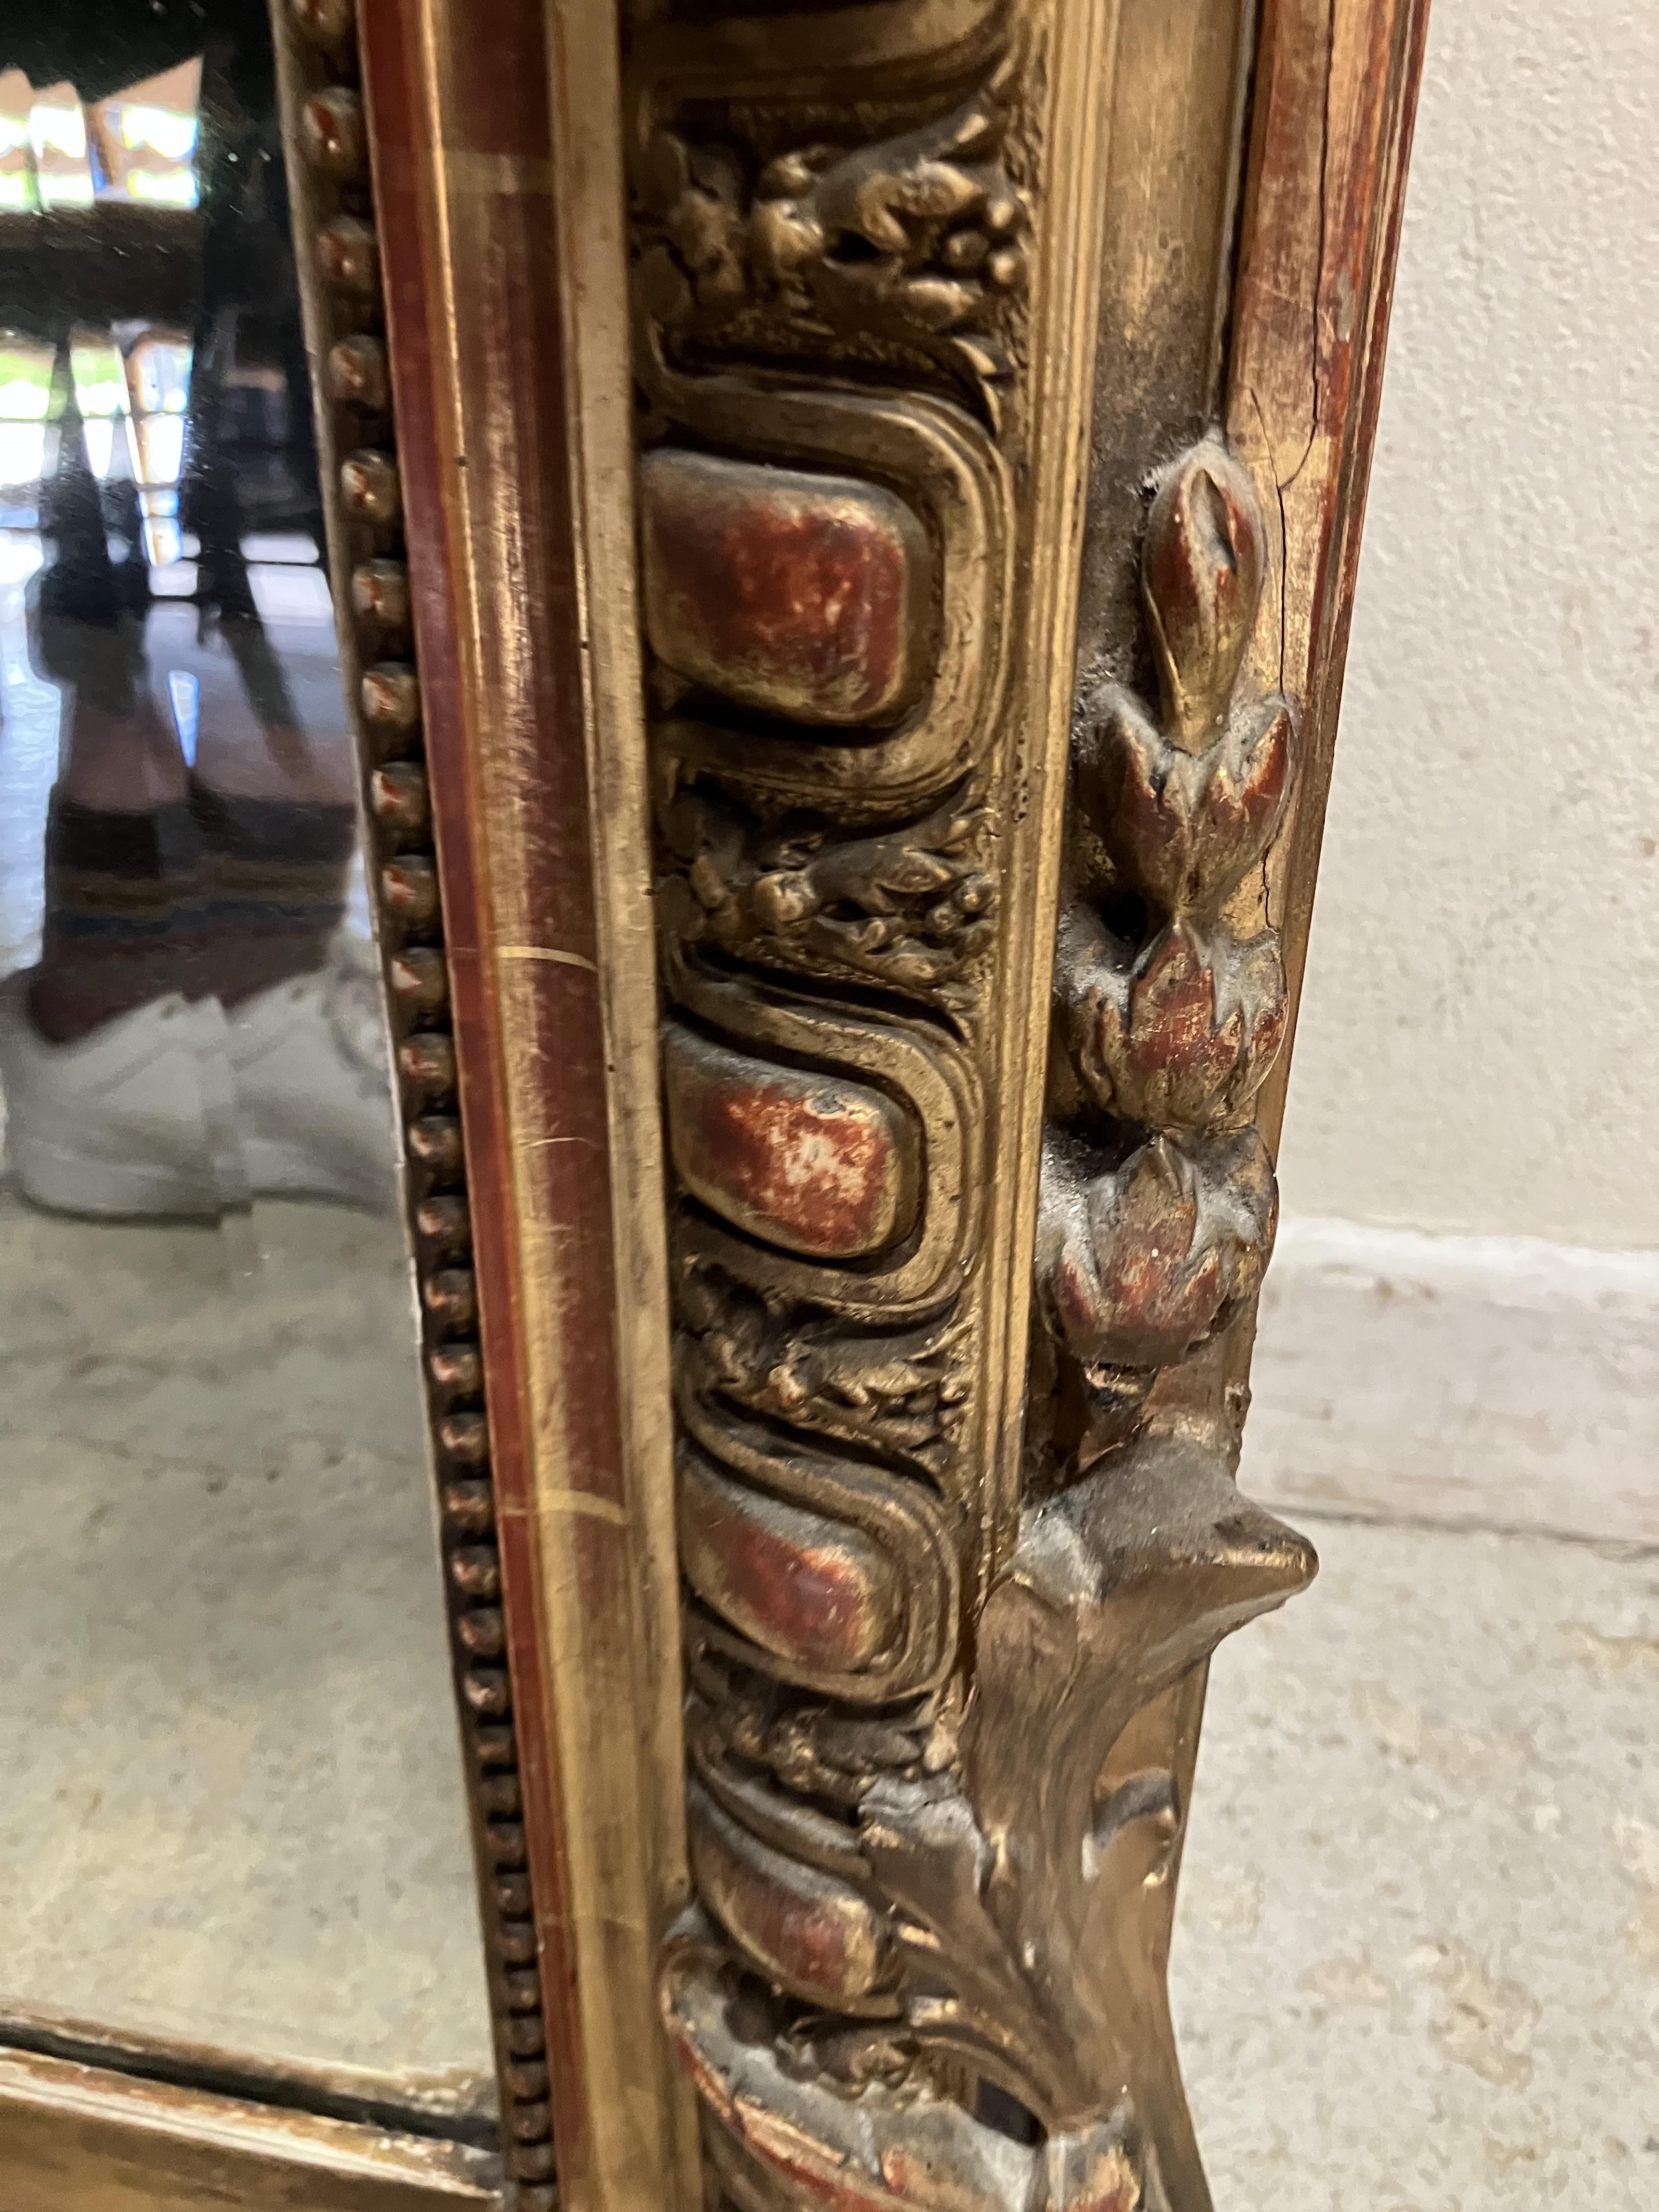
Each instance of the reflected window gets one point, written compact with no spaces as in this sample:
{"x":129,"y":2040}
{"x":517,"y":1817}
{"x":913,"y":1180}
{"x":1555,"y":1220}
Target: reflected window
{"x":145,"y":139}
{"x":25,"y":402}
{"x":58,"y":138}
{"x":58,"y":151}
{"x":18,"y":194}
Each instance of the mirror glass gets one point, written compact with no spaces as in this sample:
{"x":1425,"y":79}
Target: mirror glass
{"x":233,"y":1809}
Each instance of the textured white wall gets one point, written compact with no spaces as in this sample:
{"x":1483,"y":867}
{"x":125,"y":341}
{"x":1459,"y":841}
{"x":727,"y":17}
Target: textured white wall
{"x":1480,"y":1042}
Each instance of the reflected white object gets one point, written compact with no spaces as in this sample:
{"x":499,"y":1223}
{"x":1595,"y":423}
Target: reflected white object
{"x":22,"y":454}
{"x":158,"y":372}
{"x":185,"y":697}
{"x":117,"y":1123}
{"x":312,"y":1092}
{"x":100,"y":436}
{"x":182,"y":1109}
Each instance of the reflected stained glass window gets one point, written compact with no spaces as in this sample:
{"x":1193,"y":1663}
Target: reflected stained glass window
{"x":58,"y":151}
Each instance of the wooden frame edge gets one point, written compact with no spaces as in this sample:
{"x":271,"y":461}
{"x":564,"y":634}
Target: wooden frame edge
{"x":498,"y":211}
{"x":339,"y":232}
{"x":107,"y":2141}
{"x":500,"y":227}
{"x":449,"y":2106}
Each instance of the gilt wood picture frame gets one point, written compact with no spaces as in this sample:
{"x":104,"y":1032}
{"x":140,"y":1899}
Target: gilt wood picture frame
{"x":844,"y":521}
{"x":882,"y":488}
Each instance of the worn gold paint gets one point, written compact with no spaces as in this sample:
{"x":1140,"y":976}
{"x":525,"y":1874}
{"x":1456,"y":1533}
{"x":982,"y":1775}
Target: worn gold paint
{"x":553,"y":952}
{"x":1132,"y":176}
{"x":615,"y":1690}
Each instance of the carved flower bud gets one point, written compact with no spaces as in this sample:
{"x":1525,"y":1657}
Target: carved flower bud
{"x":695,"y":197}
{"x":784,"y":898}
{"x":938,"y":303}
{"x":707,"y":884}
{"x":790,"y":1388}
{"x":782,"y":238}
{"x":1007,"y":270}
{"x":884,"y":197}
{"x":790,"y":176}
{"x":1181,"y":827}
{"x":332,"y":134}
{"x":1202,"y":568}
{"x":323,"y":23}
{"x":1185,"y":1034}
{"x":1137,"y":1264}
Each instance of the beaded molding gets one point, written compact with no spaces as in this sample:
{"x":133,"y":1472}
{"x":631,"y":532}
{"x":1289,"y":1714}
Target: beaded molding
{"x":336,"y":245}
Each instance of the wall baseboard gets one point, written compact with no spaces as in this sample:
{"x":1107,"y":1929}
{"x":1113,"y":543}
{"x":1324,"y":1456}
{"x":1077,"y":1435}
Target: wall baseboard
{"x":1492,"y":1381}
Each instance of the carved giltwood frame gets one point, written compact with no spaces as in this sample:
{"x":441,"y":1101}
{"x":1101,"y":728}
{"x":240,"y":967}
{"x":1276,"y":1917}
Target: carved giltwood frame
{"x":847,"y":518}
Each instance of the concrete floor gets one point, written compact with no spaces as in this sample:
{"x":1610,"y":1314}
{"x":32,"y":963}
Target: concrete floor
{"x":233,"y":1805}
{"x":1417,"y":1968}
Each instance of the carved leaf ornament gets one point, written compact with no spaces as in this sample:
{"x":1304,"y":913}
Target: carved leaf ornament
{"x":1145,"y":1246}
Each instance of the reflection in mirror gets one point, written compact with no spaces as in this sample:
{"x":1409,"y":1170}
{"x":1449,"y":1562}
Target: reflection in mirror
{"x":234,"y":1809}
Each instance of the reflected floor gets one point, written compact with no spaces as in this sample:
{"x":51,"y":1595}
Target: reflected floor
{"x":233,"y":1809}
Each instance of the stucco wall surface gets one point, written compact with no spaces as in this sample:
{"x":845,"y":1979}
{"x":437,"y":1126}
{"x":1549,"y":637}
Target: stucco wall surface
{"x":1480,"y":1042}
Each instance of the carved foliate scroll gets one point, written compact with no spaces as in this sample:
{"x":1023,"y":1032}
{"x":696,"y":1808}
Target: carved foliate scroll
{"x":941,"y":1234}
